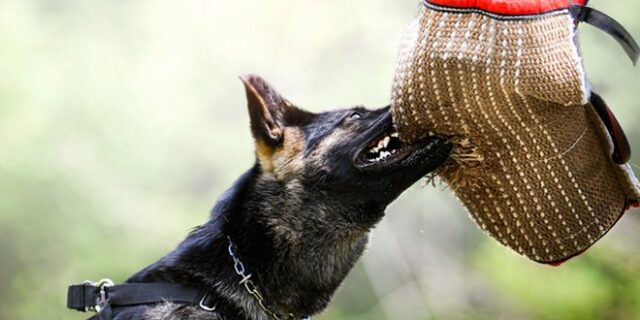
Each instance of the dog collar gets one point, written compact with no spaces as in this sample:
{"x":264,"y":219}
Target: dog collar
{"x":251,"y":287}
{"x":102,"y":295}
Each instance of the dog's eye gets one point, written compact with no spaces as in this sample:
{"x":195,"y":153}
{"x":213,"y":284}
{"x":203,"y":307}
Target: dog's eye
{"x":355,"y":115}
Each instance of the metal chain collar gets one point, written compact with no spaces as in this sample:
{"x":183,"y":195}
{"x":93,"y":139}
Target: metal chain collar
{"x":251,"y":288}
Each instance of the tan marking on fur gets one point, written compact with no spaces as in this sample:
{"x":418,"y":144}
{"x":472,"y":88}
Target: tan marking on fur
{"x":283,"y":161}
{"x":264,"y":152}
{"x":331,"y":141}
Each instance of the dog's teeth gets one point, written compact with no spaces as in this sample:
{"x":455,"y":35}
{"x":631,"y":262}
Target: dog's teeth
{"x":381,"y":152}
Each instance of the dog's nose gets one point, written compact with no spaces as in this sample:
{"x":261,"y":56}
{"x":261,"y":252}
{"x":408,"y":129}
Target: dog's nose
{"x":385,"y":116}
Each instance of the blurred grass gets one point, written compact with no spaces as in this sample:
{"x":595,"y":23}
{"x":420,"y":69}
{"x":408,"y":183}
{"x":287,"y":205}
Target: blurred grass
{"x":121,"y":122}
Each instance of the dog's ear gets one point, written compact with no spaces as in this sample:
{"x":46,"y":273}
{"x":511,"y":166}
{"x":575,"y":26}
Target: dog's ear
{"x":267,"y":110}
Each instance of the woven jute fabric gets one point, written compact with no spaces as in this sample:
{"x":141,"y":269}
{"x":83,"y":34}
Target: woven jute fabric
{"x":531,"y":161}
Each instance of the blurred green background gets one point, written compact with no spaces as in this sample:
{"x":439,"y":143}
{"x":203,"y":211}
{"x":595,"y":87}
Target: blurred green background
{"x":122,"y":121}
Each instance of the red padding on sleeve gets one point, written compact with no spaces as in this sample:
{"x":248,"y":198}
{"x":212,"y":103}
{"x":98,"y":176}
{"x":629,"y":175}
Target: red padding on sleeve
{"x":510,"y":7}
{"x":632,"y":204}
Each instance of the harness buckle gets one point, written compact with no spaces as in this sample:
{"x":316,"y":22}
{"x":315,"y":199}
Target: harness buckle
{"x":202,"y":304}
{"x":101,"y":300}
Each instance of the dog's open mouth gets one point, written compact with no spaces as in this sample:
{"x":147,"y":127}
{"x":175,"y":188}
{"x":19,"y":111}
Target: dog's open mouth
{"x":387,"y":148}
{"x":387,"y":151}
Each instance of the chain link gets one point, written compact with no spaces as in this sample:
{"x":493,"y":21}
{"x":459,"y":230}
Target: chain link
{"x":251,"y":287}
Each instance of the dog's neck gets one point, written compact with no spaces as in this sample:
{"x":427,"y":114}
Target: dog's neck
{"x":296,"y":245}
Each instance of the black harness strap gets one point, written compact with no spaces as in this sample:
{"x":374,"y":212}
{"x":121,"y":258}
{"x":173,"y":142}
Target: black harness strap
{"x":82,"y":297}
{"x":145,"y":293}
{"x":87,"y":296}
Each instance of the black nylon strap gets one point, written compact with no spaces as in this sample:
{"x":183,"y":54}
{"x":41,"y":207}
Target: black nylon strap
{"x":145,"y":293}
{"x":85,"y":296}
{"x":82,"y":296}
{"x":621,"y":149}
{"x":610,"y":26}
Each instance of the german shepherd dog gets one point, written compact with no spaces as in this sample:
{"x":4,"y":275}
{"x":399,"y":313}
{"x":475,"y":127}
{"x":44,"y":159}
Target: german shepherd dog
{"x":299,"y":219}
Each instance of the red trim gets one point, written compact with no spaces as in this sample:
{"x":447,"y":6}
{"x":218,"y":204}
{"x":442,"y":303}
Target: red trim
{"x":559,"y":263}
{"x":510,"y":7}
{"x":628,"y":205}
{"x":632,"y":204}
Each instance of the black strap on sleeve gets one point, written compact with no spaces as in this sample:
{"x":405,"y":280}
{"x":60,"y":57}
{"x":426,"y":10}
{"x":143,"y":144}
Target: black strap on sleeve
{"x":621,"y":149}
{"x":610,"y":26}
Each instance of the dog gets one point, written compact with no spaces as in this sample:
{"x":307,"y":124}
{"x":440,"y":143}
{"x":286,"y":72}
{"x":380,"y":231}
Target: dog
{"x":285,"y":235}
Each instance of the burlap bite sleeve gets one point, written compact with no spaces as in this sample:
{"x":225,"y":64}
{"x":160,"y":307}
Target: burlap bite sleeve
{"x":532,"y":160}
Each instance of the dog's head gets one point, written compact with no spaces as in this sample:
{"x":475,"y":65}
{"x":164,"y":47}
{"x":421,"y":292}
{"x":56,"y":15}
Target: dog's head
{"x":353,"y":155}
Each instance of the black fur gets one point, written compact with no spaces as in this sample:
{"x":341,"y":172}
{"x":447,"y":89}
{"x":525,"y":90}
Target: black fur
{"x":300,"y":217}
